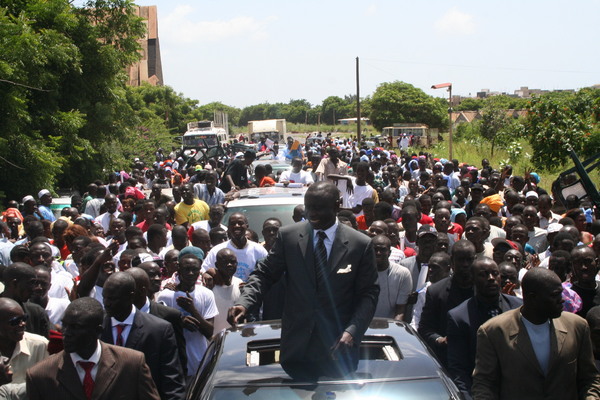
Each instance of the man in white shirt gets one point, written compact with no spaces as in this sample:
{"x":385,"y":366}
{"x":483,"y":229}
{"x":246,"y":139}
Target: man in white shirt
{"x":111,"y":203}
{"x":197,"y":304}
{"x":395,"y":282}
{"x":226,"y":286}
{"x":296,"y":175}
{"x":246,"y":251}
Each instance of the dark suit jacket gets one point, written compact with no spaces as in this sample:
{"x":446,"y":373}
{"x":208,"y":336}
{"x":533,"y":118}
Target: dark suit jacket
{"x":122,"y":374}
{"x":506,"y":366}
{"x":440,"y":297}
{"x":463,"y":322}
{"x":173,"y":316}
{"x":155,"y":338}
{"x":313,"y":320}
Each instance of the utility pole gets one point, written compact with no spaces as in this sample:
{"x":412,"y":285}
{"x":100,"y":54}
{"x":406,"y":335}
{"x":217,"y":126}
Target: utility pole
{"x":358,"y":117}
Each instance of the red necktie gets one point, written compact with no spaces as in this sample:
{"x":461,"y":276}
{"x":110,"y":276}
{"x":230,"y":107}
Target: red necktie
{"x":119,"y":341}
{"x":88,"y":381}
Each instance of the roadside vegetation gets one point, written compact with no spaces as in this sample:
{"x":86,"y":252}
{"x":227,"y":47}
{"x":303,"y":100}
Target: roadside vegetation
{"x":68,"y":116}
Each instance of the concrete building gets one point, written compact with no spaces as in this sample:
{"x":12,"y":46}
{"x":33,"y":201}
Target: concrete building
{"x":149,"y":68}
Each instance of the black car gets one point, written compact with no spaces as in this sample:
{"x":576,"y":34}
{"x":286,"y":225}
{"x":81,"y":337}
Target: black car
{"x":243,"y":363}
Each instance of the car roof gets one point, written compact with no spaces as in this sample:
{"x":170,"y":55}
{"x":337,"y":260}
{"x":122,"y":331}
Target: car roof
{"x":415,"y":360}
{"x":268,"y":195}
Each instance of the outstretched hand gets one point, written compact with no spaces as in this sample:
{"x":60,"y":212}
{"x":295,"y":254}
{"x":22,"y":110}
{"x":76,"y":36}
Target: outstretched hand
{"x":236,"y":315}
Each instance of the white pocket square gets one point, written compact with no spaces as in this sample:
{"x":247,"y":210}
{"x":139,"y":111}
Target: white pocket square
{"x":345,"y":270}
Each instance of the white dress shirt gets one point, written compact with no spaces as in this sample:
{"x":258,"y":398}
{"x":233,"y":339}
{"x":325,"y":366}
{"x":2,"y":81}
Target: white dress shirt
{"x":95,"y":358}
{"x":126,"y":329}
{"x":330,"y":232}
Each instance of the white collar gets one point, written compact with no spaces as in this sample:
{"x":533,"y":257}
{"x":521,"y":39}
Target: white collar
{"x":127,"y":321}
{"x":95,"y":357}
{"x":146,"y":307}
{"x":330,"y":232}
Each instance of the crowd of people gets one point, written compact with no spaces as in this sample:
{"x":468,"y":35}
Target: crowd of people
{"x":470,"y":256}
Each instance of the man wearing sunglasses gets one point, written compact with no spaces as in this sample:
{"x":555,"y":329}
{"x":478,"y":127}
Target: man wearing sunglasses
{"x":20,"y":281}
{"x":19,"y":349}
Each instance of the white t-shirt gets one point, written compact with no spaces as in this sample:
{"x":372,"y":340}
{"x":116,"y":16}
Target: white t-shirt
{"x":300,"y":177}
{"x":395,"y":285}
{"x":56,"y":309}
{"x":225,"y":298}
{"x":196,"y":343}
{"x":61,"y":281}
{"x":246,"y":257}
{"x":204,"y":225}
{"x":358,"y":195}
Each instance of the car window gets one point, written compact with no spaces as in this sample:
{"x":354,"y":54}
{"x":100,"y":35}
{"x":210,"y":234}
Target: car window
{"x":257,"y":214}
{"x":425,"y":389}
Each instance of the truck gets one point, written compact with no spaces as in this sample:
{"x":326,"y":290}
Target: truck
{"x":205,"y":139}
{"x":421,"y":134}
{"x":274,"y":129}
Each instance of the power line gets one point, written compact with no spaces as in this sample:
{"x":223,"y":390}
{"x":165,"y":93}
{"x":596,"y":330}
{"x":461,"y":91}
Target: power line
{"x":25,"y":86}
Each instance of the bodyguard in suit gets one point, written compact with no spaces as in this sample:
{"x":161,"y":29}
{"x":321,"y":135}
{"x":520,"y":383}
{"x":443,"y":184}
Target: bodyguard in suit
{"x":144,"y":291}
{"x":444,"y":295}
{"x":465,"y":319}
{"x":331,"y":289}
{"x":536,"y":351}
{"x":88,"y":369}
{"x":125,"y":326}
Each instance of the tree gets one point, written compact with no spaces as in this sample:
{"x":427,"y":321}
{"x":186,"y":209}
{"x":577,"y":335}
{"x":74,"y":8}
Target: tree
{"x":558,"y":122}
{"x":494,"y":121}
{"x":63,"y":98}
{"x":400,"y":102}
{"x":334,"y":108}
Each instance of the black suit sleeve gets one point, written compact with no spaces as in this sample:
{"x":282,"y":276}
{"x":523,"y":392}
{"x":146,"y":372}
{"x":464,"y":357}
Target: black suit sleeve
{"x":173,"y":316}
{"x":268,"y":271}
{"x":172,"y":386}
{"x":459,"y":366}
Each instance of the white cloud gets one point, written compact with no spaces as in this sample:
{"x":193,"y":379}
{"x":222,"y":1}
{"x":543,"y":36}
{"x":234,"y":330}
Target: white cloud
{"x":180,"y":26}
{"x":455,"y":22}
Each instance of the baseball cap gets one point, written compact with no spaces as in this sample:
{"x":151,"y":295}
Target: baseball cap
{"x":426,"y":230}
{"x":504,"y":242}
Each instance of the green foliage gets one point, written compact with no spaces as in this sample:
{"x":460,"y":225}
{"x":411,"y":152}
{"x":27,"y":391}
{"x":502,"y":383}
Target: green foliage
{"x":558,"y":122}
{"x":399,"y":102}
{"x":470,"y":104}
{"x":494,"y":121}
{"x":62,"y":101}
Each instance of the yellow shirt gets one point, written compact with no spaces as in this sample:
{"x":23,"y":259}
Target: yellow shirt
{"x":191,"y":213}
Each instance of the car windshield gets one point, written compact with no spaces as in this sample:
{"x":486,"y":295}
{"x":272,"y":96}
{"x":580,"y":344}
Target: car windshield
{"x":404,"y":390}
{"x":257,"y":214}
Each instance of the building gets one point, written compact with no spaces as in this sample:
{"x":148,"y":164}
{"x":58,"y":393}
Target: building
{"x":149,"y":68}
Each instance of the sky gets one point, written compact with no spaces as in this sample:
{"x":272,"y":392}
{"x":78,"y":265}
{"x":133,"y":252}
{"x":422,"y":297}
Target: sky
{"x":243,"y":52}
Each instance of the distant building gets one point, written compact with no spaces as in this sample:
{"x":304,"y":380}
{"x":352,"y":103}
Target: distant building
{"x":351,"y":121}
{"x":149,"y":68}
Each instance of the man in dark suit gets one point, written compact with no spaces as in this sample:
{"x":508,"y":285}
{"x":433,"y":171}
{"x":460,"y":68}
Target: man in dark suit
{"x":125,"y":326}
{"x":446,"y":294}
{"x":465,"y":319}
{"x":536,"y":351}
{"x":331,"y":289}
{"x":144,"y":291}
{"x":88,"y":369}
